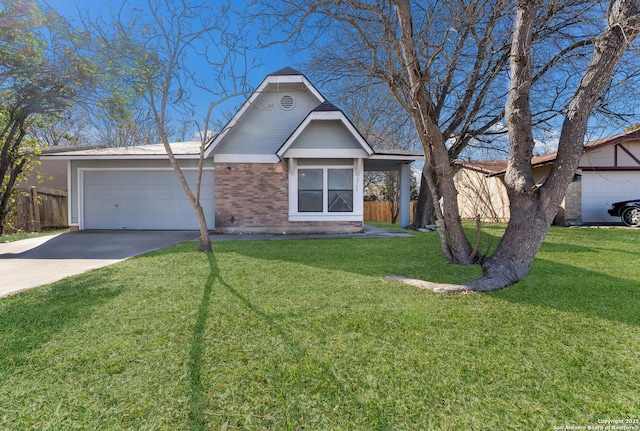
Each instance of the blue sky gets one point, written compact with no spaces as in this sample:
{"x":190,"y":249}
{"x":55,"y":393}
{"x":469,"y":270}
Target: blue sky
{"x":267,"y":60}
{"x":273,"y":58}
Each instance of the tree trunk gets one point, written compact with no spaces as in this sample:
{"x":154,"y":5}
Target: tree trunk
{"x":424,"y":213}
{"x":455,"y":245}
{"x":205,"y":239}
{"x":512,"y":260}
{"x":533,"y":209}
{"x":12,"y":164}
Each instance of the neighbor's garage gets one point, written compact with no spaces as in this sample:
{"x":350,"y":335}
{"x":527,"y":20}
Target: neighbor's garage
{"x":601,"y":188}
{"x":142,"y":199}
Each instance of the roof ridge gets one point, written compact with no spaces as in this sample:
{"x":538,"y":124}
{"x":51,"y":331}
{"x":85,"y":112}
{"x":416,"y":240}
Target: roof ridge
{"x":287,"y":70}
{"x":326,"y":106}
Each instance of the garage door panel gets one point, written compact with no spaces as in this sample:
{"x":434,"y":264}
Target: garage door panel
{"x":143,"y":200}
{"x":601,"y":189}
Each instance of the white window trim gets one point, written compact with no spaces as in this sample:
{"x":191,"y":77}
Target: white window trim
{"x":356,"y":215}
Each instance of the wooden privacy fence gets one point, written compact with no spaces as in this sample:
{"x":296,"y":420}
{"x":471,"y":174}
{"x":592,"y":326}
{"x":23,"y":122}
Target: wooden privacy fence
{"x":381,"y":210}
{"x":40,"y":209}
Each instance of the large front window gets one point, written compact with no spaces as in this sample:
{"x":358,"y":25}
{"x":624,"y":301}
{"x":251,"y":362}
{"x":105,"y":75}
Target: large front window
{"x":340,"y":190}
{"x":310,"y":190}
{"x":325,"y":190}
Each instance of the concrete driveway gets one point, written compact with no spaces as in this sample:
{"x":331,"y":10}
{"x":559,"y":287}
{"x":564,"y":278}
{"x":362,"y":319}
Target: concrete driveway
{"x":37,"y":261}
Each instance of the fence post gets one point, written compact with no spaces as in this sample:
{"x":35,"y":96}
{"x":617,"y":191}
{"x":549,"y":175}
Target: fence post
{"x":34,"y":211}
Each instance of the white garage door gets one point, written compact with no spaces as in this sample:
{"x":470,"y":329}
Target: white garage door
{"x":601,"y":189}
{"x":153,"y":200}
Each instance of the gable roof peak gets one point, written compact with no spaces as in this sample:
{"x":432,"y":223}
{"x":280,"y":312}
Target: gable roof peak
{"x":287,"y":75}
{"x":286,"y":71}
{"x":326,"y":107}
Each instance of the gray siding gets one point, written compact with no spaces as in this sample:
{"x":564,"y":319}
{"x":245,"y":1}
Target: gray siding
{"x":265,"y":126}
{"x":326,"y":134}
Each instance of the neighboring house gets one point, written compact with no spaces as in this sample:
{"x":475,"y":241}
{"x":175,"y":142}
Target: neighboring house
{"x":482,"y":193}
{"x":609,"y":171}
{"x":287,"y":162}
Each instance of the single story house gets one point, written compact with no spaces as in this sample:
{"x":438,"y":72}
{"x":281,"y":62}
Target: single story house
{"x":609,"y":171}
{"x":289,"y":161}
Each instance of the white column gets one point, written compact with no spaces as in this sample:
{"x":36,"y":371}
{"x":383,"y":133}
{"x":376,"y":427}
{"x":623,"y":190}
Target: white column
{"x":404,"y":204}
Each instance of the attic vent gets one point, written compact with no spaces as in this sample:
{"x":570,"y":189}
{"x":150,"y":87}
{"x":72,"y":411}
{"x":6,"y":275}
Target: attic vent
{"x":287,"y":102}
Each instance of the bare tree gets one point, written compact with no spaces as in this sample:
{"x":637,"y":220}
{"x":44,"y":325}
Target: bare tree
{"x":447,"y":63}
{"x":532,"y":206}
{"x":154,"y":48}
{"x":120,"y":118}
{"x":63,"y":130}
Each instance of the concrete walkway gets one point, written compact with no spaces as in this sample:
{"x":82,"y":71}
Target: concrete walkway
{"x":367,"y":232}
{"x":37,"y":261}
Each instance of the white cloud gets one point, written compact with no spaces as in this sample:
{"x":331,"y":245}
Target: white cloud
{"x":546,"y":142}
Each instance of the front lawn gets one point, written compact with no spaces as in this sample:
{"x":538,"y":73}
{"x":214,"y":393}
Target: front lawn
{"x":308,"y":335}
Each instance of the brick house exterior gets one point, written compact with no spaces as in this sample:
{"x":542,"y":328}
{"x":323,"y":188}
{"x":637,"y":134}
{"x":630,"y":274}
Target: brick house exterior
{"x":287,"y":162}
{"x":253,"y":197}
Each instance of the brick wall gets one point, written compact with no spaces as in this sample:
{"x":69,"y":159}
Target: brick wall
{"x":254,"y":198}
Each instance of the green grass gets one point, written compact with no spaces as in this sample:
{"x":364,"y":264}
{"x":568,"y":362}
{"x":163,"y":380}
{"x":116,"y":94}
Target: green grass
{"x":308,"y":335}
{"x":25,"y":235}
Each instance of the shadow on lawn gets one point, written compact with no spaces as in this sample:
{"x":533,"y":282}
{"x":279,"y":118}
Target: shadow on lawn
{"x":566,"y":288}
{"x":196,"y":417}
{"x":359,"y":256}
{"x":31,"y":319}
{"x":553,"y":284}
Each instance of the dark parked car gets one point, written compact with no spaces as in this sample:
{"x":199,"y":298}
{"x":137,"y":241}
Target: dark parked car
{"x":628,"y":211}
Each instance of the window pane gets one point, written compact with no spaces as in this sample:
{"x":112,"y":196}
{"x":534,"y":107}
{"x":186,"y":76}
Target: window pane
{"x":340,"y":201}
{"x":310,"y":179}
{"x":340,"y":179}
{"x":309,"y":201}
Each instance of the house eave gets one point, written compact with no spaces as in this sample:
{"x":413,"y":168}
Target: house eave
{"x":118,"y":157}
{"x":319,"y":153}
{"x":406,"y":157}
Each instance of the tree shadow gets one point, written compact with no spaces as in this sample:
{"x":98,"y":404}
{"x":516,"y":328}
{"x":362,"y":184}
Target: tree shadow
{"x":586,"y":292}
{"x":358,"y":256}
{"x":370,"y":256}
{"x":550,"y":283}
{"x":197,"y":419}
